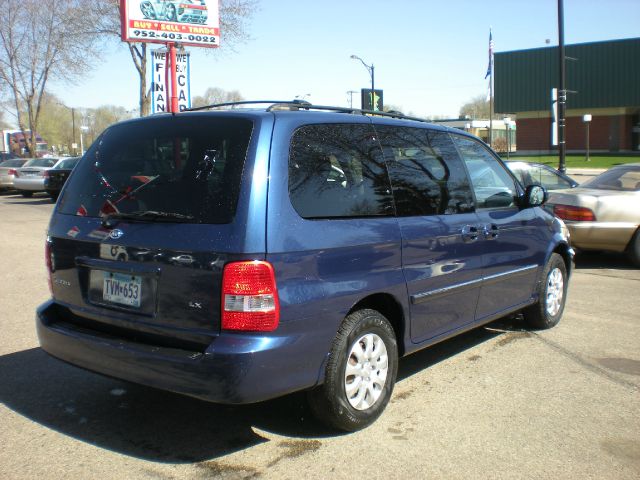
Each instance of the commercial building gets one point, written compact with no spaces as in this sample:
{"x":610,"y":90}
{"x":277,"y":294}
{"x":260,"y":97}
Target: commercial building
{"x":603,"y":80}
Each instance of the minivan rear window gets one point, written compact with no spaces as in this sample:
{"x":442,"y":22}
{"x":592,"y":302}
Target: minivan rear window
{"x":180,"y":166}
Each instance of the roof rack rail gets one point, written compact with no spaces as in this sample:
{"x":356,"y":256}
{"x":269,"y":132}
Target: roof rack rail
{"x":245,"y":102}
{"x":304,"y":105}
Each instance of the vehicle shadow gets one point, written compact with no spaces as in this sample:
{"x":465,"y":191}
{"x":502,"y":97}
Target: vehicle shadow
{"x":165,"y":427}
{"x":601,"y":260}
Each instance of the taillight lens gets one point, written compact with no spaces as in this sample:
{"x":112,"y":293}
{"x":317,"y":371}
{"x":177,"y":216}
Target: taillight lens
{"x":15,"y":173}
{"x":49,"y":262}
{"x":249,"y":297}
{"x":12,"y":171}
{"x":576,"y":214}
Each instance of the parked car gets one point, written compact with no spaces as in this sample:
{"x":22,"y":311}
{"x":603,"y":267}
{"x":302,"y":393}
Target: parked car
{"x":540,"y":174}
{"x":239,"y":255}
{"x":55,"y":177}
{"x":8,"y":172}
{"x":603,"y":213}
{"x":29,"y":178}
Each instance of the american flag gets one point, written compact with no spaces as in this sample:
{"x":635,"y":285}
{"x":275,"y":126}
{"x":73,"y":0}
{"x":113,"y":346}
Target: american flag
{"x":491,"y":45}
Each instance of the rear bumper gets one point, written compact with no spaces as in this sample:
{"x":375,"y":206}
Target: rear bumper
{"x":33,"y":185}
{"x":610,"y":236}
{"x":234,"y":369}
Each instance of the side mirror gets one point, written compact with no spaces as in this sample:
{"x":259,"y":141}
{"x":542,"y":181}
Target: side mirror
{"x":535,"y":195}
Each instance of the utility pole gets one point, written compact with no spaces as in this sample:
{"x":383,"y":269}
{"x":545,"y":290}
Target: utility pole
{"x":562,"y":90}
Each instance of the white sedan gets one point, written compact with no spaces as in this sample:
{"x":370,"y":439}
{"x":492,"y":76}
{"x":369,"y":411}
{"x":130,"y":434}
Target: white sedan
{"x":30,"y":177}
{"x":604,"y":212}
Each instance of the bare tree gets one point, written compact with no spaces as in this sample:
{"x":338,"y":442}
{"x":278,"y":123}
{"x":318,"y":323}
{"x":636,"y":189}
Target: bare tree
{"x":213,"y":95}
{"x":234,"y":15}
{"x":40,"y":40}
{"x":476,"y":108}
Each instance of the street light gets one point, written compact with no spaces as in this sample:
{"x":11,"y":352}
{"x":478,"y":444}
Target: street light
{"x":371,"y":70}
{"x":587,"y":120}
{"x":83,"y":128}
{"x":507,"y":123}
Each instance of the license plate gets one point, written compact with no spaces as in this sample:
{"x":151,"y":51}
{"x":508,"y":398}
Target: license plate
{"x":122,"y":289}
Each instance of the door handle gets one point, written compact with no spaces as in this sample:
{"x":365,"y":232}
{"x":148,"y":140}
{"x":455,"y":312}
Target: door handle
{"x":490,"y":231}
{"x":469,"y":233}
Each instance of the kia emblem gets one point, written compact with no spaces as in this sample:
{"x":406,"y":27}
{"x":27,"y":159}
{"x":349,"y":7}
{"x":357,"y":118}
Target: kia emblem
{"x":116,"y":233}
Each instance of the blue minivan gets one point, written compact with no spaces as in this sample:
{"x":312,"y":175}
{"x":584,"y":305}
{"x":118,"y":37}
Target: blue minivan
{"x":237,"y":255}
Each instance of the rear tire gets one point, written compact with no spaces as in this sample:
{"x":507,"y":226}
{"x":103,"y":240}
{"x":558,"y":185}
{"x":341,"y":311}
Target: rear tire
{"x":27,"y":194}
{"x":360,"y":373}
{"x":552,"y":295}
{"x":633,"y":250}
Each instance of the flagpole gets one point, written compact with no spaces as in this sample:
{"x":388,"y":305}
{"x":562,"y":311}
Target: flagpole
{"x":491,"y":109}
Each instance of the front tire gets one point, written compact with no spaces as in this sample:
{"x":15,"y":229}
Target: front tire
{"x":360,"y":373}
{"x":552,"y":295}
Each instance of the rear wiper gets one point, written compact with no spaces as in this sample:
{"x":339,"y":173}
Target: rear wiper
{"x":111,"y":219}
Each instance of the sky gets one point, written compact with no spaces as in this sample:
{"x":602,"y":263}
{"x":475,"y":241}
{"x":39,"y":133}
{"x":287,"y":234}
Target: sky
{"x":430,"y":57}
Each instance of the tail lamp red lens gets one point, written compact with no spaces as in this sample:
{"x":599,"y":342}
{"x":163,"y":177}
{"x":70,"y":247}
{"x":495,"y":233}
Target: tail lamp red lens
{"x":12,"y":171}
{"x":573,"y":213}
{"x":250,"y":297}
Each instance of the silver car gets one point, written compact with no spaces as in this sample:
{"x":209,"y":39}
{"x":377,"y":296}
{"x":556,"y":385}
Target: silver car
{"x":30,"y":177}
{"x":8,"y":171}
{"x":604,"y":212}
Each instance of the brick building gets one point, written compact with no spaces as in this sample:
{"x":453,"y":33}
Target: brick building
{"x":603,"y":79}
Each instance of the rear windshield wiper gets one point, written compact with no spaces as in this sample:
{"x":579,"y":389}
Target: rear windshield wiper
{"x":111,"y":219}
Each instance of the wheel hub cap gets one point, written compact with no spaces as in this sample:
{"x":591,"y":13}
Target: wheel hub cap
{"x":555,"y":291}
{"x":366,"y":371}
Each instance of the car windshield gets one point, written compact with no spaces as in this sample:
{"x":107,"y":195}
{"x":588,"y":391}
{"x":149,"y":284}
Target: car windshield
{"x":41,"y":162}
{"x":67,"y":163}
{"x":621,"y":179}
{"x":177,"y":167}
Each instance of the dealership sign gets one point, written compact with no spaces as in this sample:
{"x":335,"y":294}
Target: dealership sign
{"x":187,"y":22}
{"x":159,"y":85}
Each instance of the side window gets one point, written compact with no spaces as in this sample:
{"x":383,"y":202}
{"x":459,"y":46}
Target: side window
{"x":492,"y":185}
{"x":548,"y":179}
{"x":337,"y":171}
{"x":427,"y":176}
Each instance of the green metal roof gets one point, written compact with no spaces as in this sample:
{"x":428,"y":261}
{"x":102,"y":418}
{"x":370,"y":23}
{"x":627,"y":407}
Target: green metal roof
{"x":605,"y":75}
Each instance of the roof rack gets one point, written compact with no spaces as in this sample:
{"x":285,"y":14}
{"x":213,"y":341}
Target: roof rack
{"x":304,"y":105}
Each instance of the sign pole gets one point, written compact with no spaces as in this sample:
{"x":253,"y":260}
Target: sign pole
{"x":173,"y":88}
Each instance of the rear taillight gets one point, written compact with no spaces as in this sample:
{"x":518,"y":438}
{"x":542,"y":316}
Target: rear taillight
{"x":45,"y":174}
{"x":576,"y":214}
{"x":12,"y":171}
{"x":249,"y":297}
{"x":48,"y":260}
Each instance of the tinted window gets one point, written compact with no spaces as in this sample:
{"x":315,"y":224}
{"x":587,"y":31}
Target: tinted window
{"x":337,"y":170}
{"x":12,"y":163}
{"x":67,"y":164}
{"x":175,"y":164}
{"x":492,"y":184}
{"x":41,"y":162}
{"x":426,"y":174}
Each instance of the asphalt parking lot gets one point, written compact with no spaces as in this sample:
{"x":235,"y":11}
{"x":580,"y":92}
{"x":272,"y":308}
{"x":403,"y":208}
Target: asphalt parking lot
{"x":498,"y":402}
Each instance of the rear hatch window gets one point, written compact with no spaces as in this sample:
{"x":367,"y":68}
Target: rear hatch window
{"x":176,"y":168}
